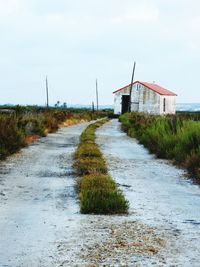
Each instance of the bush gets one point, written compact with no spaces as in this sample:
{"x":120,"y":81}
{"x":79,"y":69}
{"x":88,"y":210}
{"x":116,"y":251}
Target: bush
{"x":32,"y":124}
{"x":12,"y":138}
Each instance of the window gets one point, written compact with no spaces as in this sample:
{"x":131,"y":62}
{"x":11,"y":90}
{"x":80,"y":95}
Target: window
{"x":164,"y":104}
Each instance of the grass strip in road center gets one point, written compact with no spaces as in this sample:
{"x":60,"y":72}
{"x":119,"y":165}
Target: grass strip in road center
{"x":98,"y":192}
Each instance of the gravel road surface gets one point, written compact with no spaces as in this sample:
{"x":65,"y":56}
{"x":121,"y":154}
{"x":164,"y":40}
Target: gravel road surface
{"x":40,"y":223}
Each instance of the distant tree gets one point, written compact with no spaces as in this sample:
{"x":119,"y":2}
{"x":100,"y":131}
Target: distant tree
{"x":64,"y":105}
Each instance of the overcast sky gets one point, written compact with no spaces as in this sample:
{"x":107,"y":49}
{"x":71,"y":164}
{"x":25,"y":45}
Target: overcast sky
{"x":76,"y":41}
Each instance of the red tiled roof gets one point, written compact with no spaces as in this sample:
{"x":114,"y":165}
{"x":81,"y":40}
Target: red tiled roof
{"x":152,"y":86}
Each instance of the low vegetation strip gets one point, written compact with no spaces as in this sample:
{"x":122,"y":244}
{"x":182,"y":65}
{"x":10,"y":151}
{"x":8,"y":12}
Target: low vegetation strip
{"x":17,"y":128}
{"x":175,"y":137}
{"x":98,"y":192}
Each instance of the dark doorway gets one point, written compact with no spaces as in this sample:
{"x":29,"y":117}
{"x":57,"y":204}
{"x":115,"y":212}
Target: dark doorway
{"x":125,"y":103}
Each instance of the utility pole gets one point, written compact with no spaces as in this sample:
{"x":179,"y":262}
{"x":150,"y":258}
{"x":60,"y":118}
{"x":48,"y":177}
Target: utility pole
{"x":131,"y":86}
{"x":47,"y":92}
{"x":92,"y":106}
{"x":97,"y":96}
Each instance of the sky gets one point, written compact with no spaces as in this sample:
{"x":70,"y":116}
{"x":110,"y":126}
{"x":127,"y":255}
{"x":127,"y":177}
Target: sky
{"x":76,"y":42}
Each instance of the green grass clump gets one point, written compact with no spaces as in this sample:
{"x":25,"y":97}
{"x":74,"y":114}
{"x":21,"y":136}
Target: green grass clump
{"x":87,"y":150}
{"x":103,"y":202}
{"x":98,"y":193}
{"x":88,"y":135}
{"x":90,"y":165}
{"x":98,"y":181}
{"x":175,"y":137}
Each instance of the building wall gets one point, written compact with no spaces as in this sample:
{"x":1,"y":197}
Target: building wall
{"x":170,"y":105}
{"x":145,"y":100}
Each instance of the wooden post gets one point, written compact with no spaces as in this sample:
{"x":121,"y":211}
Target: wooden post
{"x":47,"y":92}
{"x":131,"y":86}
{"x":97,"y":96}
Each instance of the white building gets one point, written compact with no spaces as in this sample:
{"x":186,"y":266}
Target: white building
{"x":145,"y":97}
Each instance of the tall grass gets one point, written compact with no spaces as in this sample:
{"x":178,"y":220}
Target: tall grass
{"x":11,"y":136}
{"x":23,"y":122}
{"x":174,"y":137}
{"x":98,"y":192}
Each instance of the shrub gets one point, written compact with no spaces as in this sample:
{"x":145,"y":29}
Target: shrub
{"x":192,"y":162}
{"x":12,"y":138}
{"x":32,"y":124}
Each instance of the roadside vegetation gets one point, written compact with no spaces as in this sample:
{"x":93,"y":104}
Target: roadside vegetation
{"x":98,"y":193}
{"x":175,"y":137}
{"x":19,"y":125}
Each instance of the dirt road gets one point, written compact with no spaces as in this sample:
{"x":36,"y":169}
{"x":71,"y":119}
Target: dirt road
{"x":40,"y":223}
{"x":38,"y":201}
{"x":160,"y":195}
